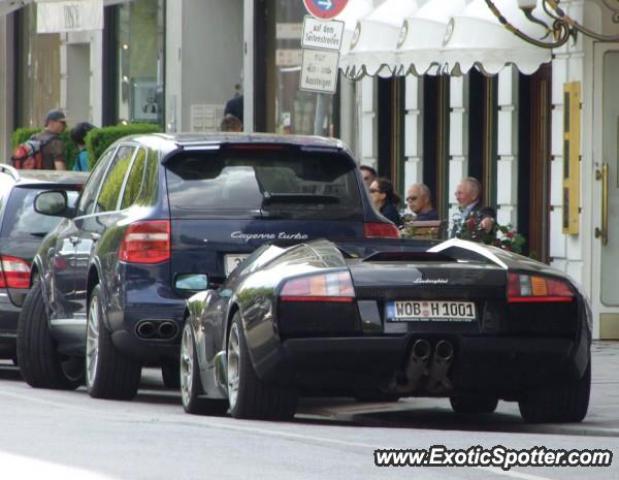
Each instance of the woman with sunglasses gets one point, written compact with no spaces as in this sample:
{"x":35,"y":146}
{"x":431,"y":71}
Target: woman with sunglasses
{"x":385,"y":199}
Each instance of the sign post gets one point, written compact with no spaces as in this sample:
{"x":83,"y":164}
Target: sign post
{"x":321,"y":42}
{"x":325,"y":9}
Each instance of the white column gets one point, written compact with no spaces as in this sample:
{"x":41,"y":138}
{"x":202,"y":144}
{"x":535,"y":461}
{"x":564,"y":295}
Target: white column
{"x":507,"y":148}
{"x":458,"y":135}
{"x":413,"y":131}
{"x":567,"y":251}
{"x":367,"y":116}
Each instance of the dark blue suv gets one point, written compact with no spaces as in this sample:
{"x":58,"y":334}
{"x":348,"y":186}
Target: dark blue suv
{"x":109,"y":284}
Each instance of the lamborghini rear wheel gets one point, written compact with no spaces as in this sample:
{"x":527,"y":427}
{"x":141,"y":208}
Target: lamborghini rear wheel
{"x":558,"y":403}
{"x":249,"y":396}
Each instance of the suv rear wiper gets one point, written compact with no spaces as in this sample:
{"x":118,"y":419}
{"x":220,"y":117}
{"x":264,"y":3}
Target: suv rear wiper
{"x":269,"y":198}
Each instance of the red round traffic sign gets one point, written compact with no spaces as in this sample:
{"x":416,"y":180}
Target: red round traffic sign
{"x":325,"y":9}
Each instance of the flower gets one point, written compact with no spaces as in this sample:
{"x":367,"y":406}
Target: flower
{"x":509,"y":239}
{"x":501,"y":236}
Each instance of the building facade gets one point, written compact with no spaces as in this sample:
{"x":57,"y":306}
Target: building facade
{"x":539,"y":127}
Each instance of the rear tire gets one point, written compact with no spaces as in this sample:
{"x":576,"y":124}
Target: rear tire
{"x":191,"y":386}
{"x":39,"y":362}
{"x":558,"y":403}
{"x":473,"y":404}
{"x":249,"y":397}
{"x":109,"y":374}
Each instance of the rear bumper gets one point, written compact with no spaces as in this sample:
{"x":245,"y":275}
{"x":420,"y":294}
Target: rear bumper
{"x":503,"y":366}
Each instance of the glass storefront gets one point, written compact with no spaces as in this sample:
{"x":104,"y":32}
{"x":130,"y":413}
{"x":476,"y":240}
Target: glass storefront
{"x":38,"y":70}
{"x":140,"y":61}
{"x":288,"y":109}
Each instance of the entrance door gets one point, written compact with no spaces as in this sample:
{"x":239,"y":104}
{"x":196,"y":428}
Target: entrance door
{"x":605,"y":287}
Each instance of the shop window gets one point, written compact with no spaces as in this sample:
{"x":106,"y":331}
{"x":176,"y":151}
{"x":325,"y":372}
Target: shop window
{"x":38,"y":70}
{"x":138,"y":55}
{"x":483,"y":132}
{"x":280,"y":106}
{"x":436,"y":140}
{"x":534,"y":108}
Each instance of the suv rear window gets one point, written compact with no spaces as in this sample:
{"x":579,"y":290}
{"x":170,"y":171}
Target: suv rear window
{"x":286,"y":183}
{"x":20,"y":219}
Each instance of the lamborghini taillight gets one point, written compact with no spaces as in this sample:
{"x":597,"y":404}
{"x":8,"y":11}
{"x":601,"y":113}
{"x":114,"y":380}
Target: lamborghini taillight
{"x":324,"y":287}
{"x":536,"y":288}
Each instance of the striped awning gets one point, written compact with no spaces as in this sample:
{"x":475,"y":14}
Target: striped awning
{"x":437,"y":36}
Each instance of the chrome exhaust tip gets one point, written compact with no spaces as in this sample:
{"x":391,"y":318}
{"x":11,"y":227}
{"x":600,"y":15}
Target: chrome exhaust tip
{"x":168,"y":330}
{"x":444,"y":350}
{"x":146,"y":329}
{"x":421,"y":349}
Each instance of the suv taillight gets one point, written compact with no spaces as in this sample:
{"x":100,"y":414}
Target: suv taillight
{"x":380,"y":230}
{"x":146,"y":242}
{"x":15,"y":272}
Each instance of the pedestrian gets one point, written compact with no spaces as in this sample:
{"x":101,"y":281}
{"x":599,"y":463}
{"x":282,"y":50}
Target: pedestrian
{"x":78,"y":134}
{"x":230,"y":123}
{"x":472,"y":221}
{"x":418,"y":199}
{"x":234,"y":106}
{"x":52,"y":147}
{"x":368,"y":174}
{"x":385,"y":199}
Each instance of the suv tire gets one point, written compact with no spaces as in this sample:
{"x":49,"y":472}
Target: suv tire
{"x":191,"y":386}
{"x":558,"y":403}
{"x":39,"y":362}
{"x":109,"y":374}
{"x":249,"y":397}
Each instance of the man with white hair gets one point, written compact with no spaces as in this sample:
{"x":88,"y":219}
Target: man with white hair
{"x":418,"y":199}
{"x":472,"y":221}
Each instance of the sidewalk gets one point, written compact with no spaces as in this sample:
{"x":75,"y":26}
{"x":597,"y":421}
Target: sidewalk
{"x":602,"y":418}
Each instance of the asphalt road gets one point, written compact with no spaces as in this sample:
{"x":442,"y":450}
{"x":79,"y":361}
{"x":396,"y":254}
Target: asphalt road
{"x":67,"y":435}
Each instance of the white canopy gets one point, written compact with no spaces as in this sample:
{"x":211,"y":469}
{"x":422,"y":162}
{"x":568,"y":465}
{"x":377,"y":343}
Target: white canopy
{"x":421,"y":39}
{"x":475,"y":37}
{"x":372,"y":48}
{"x":442,"y":36}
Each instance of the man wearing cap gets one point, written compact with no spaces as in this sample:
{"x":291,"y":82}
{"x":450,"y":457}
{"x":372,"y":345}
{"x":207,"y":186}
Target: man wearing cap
{"x":52,"y":147}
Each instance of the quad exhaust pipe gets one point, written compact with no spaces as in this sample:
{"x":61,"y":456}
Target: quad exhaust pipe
{"x":156,"y":329}
{"x":427,"y":367}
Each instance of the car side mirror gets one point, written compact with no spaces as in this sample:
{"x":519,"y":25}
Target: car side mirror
{"x":191,"y":282}
{"x":53,"y":203}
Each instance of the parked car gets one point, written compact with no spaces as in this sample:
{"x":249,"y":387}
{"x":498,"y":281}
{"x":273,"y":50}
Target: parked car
{"x":157,"y":210}
{"x":452,"y":319}
{"x":21,"y":232}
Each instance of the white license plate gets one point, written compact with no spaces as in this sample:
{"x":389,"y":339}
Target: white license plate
{"x":431,"y":311}
{"x":232,"y":261}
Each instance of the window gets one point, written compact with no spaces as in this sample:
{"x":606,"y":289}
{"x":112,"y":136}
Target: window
{"x":94,"y":183}
{"x":21,"y":218}
{"x":288,"y":184}
{"x":139,"y":50}
{"x":143,"y":182}
{"x":113,"y":182}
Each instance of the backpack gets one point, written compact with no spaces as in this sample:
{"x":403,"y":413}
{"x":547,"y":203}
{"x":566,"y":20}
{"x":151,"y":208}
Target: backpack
{"x":29,"y":155}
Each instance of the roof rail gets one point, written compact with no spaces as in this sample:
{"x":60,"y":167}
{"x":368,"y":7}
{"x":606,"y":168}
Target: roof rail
{"x":12,"y":171}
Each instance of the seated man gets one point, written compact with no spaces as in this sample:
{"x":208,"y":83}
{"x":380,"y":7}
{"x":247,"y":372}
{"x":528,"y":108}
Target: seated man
{"x":471,"y":221}
{"x":419,"y":202}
